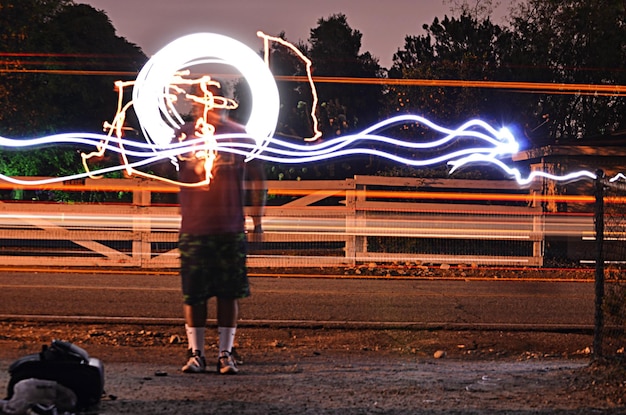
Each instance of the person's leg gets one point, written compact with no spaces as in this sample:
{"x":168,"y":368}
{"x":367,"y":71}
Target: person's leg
{"x":227,"y":316}
{"x":195,"y":315}
{"x":227,"y":312}
{"x":195,"y":322}
{"x":231,"y":285}
{"x":195,"y":293}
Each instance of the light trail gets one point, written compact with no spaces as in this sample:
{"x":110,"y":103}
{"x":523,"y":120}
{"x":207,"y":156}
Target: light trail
{"x":532,"y":87}
{"x":69,"y":72}
{"x":275,"y":190}
{"x":154,"y":99}
{"x":498,"y":143}
{"x":540,"y":87}
{"x":309,"y":77}
{"x":474,"y":224}
{"x":24,"y":63}
{"x":60,"y":55}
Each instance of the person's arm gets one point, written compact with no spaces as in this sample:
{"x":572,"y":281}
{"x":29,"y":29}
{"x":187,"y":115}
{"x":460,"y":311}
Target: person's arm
{"x":258,"y":190}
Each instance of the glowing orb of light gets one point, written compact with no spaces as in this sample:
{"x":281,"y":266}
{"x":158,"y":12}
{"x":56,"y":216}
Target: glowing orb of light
{"x":151,"y":93}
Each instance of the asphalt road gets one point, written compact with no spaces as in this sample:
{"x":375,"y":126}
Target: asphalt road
{"x":306,"y":301}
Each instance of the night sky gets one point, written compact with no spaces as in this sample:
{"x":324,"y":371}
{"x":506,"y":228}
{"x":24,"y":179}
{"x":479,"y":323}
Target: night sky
{"x":151,"y":24}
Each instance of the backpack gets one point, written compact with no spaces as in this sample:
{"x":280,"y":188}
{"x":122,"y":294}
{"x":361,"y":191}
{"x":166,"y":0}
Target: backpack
{"x":66,"y":364}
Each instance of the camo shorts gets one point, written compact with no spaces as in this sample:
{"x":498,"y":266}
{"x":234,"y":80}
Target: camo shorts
{"x":213,"y":266}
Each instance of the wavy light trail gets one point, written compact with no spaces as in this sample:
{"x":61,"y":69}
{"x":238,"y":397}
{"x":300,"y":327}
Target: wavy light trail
{"x":154,"y":101}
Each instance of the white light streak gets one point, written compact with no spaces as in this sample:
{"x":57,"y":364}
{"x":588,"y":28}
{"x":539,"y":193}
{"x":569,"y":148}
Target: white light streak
{"x":154,"y":102}
{"x":151,"y":93}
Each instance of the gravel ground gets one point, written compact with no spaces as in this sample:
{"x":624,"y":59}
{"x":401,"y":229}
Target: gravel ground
{"x":334,"y":371}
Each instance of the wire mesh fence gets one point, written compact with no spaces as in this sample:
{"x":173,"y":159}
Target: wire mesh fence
{"x":610,"y":222}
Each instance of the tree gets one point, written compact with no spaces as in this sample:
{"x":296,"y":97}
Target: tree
{"x":452,"y":49}
{"x":294,"y":118}
{"x":573,"y":42}
{"x":478,"y":9}
{"x":60,"y":35}
{"x":40,"y":39}
{"x":570,"y":42}
{"x":462,"y":49}
{"x":86,"y":39}
{"x":335,"y":52}
{"x":343,"y":108}
{"x":19,"y":21}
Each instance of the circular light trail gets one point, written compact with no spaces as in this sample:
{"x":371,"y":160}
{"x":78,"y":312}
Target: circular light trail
{"x":158,"y":116}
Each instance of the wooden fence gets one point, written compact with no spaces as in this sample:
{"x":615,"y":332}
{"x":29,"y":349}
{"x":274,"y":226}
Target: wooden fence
{"x":306,"y":224}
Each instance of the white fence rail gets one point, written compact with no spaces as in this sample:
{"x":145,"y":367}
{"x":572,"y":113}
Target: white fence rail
{"x":306,"y":223}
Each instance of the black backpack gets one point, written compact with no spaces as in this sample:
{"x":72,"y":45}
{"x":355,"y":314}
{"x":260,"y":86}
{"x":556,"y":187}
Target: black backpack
{"x":66,"y":364}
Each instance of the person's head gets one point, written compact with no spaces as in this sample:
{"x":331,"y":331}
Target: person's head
{"x":209,"y":100}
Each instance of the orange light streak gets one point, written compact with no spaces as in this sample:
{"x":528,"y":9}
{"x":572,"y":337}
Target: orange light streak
{"x":530,"y":87}
{"x":203,"y":128}
{"x":13,"y":58}
{"x":449,"y":196}
{"x":309,"y":77}
{"x":61,"y":55}
{"x":70,"y":72}
{"x":35,"y":64}
{"x":163,"y":187}
{"x":544,"y":86}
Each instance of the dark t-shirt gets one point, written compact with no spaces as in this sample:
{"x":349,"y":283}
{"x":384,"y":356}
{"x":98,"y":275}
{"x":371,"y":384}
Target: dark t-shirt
{"x":218,"y":207}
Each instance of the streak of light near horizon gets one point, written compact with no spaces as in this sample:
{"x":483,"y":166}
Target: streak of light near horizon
{"x":23,"y":62}
{"x":416,"y":195}
{"x":466,"y":225}
{"x":529,"y":87}
{"x":69,"y":72}
{"x":153,"y":102}
{"x":543,"y":86}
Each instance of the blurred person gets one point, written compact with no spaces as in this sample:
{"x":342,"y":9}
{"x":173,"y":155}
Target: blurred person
{"x":212,"y":239}
{"x":256,"y":195}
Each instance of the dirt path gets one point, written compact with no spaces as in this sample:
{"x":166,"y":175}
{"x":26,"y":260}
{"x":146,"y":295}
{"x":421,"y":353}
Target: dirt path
{"x":300,"y":371}
{"x":350,"y":384}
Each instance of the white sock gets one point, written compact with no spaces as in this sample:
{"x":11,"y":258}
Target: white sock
{"x":195,"y":337}
{"x":227,"y":338}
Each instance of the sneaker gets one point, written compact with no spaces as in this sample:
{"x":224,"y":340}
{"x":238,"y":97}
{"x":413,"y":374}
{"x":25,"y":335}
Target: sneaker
{"x":236,"y":357}
{"x":196,"y":362}
{"x":226,"y":364}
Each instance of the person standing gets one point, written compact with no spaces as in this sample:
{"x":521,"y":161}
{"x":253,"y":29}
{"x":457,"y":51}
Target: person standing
{"x":212,"y":239}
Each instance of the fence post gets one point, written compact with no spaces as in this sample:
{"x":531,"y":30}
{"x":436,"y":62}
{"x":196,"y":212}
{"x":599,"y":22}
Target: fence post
{"x":141,"y":225}
{"x":599,"y":272}
{"x":351,"y":246}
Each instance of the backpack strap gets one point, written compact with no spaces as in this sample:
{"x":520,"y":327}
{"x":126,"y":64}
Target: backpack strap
{"x":62,"y":350}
